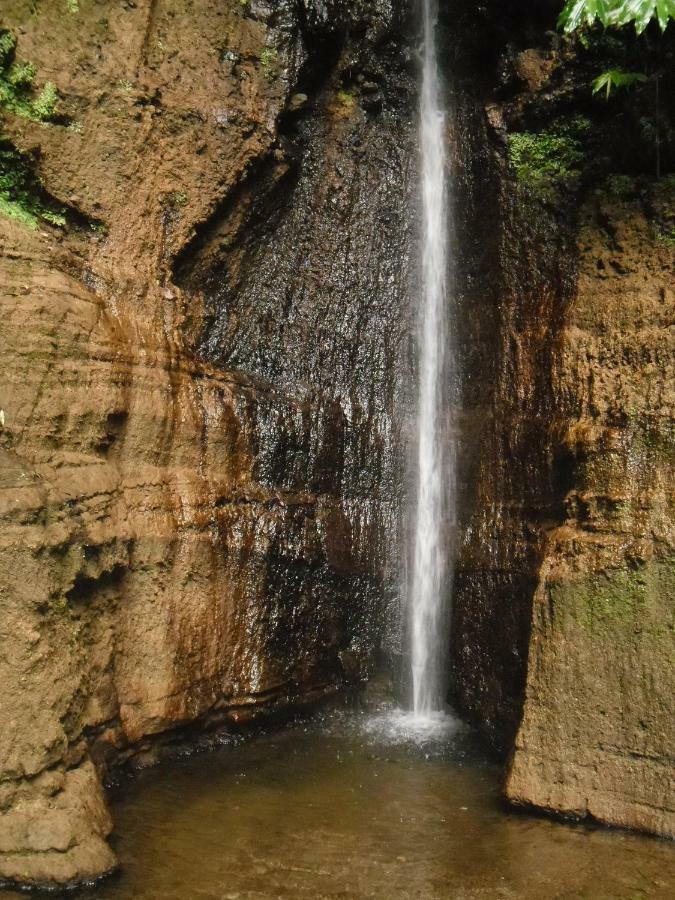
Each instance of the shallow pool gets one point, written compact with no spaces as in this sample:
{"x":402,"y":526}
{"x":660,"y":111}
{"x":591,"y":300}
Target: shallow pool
{"x":359,"y":806}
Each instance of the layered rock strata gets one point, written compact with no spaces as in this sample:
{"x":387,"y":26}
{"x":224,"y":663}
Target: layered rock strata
{"x":200,"y":452}
{"x":564,"y":631}
{"x":205,"y":398}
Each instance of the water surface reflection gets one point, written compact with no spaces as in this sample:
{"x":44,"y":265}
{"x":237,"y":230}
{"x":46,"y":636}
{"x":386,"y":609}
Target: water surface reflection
{"x":351,"y":807}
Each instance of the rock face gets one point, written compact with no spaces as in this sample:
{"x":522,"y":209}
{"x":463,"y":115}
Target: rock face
{"x":205,"y":400}
{"x":598,"y":729}
{"x":564,"y":631}
{"x":192,"y":528}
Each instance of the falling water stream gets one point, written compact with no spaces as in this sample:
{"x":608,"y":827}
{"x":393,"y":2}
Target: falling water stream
{"x":430,"y":564}
{"x":361,"y":805}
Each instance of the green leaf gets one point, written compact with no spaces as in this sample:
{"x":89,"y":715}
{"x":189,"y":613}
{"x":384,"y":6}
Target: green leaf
{"x":616,"y":78}
{"x":21,"y":74}
{"x":7,"y":46}
{"x":665,"y":10}
{"x":575,"y":13}
{"x":44,"y":107}
{"x":581,"y":13}
{"x":54,"y":218}
{"x":641,"y":12}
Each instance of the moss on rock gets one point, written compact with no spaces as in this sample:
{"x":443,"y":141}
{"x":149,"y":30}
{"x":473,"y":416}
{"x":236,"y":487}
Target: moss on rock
{"x":621,"y":603}
{"x":21,"y":194}
{"x":546,"y":160}
{"x":16,"y":86}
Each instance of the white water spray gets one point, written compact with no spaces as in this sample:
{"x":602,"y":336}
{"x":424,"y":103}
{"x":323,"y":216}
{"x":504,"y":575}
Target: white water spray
{"x":430,"y":563}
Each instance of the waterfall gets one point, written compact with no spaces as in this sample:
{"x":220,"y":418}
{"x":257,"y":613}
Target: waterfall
{"x":430,"y":561}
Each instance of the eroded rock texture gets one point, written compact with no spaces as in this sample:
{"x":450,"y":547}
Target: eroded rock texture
{"x":563,"y":638}
{"x":206,"y":378}
{"x":597,"y":735}
{"x":203,"y":375}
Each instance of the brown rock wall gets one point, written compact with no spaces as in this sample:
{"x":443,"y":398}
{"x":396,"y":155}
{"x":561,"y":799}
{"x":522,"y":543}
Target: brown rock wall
{"x":206,"y":378}
{"x":597,"y":734}
{"x":183,"y":539}
{"x":563,"y":636}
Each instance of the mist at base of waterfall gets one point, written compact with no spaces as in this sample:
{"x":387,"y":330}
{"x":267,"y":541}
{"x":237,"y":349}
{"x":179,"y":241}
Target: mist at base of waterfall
{"x":425,"y":730}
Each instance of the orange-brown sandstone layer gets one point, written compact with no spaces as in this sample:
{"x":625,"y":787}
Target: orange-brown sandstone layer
{"x":204,"y":383}
{"x":564,"y":629}
{"x":186,"y":540}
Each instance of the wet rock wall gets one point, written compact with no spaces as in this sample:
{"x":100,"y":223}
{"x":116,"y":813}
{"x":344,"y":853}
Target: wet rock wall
{"x":192,"y":529}
{"x":563,"y":606}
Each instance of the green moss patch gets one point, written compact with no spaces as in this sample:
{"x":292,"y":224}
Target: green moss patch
{"x":17,"y":94}
{"x":621,"y":603}
{"x":346,"y":98}
{"x":21,"y":195}
{"x":546,"y":160}
{"x":269,"y":63}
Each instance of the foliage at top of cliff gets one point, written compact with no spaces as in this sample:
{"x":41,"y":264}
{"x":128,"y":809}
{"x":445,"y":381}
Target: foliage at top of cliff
{"x":16,"y":85}
{"x":579,"y":13}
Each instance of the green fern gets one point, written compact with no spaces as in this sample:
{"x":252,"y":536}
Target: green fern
{"x":7,"y":45}
{"x":44,"y":107}
{"x":546,"y":161}
{"x":21,"y":195}
{"x":583,"y":13}
{"x":614,"y":79}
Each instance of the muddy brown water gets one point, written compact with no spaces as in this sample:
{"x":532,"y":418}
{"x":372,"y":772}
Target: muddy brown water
{"x":347,"y":807}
